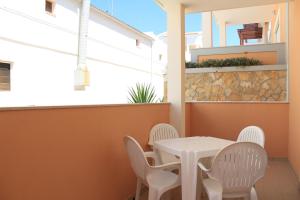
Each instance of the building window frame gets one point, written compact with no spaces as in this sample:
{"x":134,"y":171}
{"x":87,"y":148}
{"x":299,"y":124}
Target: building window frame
{"x":137,"y":43}
{"x":3,"y":79}
{"x":50,"y":7}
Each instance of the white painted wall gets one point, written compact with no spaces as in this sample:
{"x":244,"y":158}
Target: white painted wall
{"x":159,"y":51}
{"x":43,"y":52}
{"x":193,"y":40}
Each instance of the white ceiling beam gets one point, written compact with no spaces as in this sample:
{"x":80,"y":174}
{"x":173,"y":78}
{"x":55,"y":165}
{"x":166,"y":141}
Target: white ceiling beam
{"x":213,"y":5}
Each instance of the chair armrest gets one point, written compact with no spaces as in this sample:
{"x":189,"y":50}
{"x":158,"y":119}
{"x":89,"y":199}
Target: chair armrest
{"x":150,"y":154}
{"x":203,"y":168}
{"x":168,"y":166}
{"x":153,"y":155}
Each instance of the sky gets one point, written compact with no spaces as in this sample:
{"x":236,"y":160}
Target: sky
{"x":147,"y":16}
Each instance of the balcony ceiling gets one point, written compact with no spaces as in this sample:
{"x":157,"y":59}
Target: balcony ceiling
{"x":212,"y":5}
{"x":245,"y":15}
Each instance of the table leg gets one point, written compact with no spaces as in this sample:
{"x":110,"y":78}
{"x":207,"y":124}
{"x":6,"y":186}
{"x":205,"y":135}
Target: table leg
{"x":189,"y":175}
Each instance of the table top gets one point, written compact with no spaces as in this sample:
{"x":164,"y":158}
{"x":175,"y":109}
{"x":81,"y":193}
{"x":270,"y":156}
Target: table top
{"x":206,"y":146}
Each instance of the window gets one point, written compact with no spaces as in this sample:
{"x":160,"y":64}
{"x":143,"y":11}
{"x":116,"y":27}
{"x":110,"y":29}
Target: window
{"x":137,"y":43}
{"x":49,"y":6}
{"x":4,"y":76}
{"x":160,"y":57}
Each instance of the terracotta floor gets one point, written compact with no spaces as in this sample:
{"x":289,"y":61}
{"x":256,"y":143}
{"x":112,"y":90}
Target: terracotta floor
{"x":279,"y":183}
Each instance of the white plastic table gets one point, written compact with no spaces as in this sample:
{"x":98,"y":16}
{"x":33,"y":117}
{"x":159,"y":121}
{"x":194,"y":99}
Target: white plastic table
{"x":190,"y":150}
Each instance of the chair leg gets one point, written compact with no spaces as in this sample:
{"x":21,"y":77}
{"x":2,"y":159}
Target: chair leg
{"x":253,"y":194}
{"x":138,"y":189}
{"x":215,"y":196}
{"x":153,"y":194}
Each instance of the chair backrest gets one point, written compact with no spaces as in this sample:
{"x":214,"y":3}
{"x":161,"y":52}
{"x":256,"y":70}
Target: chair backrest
{"x":252,"y":134}
{"x":238,"y":166}
{"x":137,"y":158}
{"x":162,"y":131}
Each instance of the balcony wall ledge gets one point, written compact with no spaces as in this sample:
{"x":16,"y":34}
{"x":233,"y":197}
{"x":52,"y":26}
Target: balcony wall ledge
{"x":239,"y":102}
{"x":33,"y":107}
{"x":237,"y":69}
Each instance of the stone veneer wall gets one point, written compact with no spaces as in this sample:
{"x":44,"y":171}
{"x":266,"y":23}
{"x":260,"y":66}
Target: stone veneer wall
{"x":236,"y":86}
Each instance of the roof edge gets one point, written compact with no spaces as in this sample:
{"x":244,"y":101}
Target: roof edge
{"x":118,"y":21}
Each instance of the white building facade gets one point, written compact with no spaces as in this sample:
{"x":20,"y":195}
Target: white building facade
{"x":41,"y":49}
{"x":192,"y":40}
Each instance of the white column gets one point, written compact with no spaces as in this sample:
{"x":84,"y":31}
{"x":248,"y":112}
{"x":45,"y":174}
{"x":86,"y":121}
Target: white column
{"x":176,"y":65}
{"x":223,"y":36}
{"x":265,"y":26}
{"x":207,"y":39}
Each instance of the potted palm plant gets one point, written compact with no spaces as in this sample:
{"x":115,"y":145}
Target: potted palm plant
{"x":142,"y":93}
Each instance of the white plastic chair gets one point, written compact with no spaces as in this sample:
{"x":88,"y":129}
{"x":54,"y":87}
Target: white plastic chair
{"x":163,"y":131}
{"x":252,"y":134}
{"x":159,"y":179}
{"x":234,"y":171}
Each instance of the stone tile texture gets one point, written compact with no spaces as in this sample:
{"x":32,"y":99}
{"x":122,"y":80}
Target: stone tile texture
{"x":236,"y":86}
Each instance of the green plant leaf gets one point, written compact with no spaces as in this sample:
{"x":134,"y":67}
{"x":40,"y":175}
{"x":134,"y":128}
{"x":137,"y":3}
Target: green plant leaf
{"x":142,"y":93}
{"x":229,"y":62}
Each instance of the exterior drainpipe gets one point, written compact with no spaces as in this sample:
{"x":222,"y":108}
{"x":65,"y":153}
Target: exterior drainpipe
{"x":81,"y":73}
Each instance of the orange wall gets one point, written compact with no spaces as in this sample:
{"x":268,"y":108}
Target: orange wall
{"x":266,"y":57}
{"x":77,"y":153}
{"x":226,"y":120}
{"x":72,"y":153}
{"x":294,"y":138}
